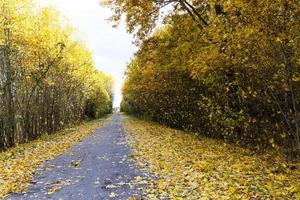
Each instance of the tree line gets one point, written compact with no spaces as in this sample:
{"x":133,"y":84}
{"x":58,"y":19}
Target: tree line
{"x":48,"y":79}
{"x":227,"y":69}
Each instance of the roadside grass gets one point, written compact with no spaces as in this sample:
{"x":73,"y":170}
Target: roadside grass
{"x":18,"y":164}
{"x":189,"y":166}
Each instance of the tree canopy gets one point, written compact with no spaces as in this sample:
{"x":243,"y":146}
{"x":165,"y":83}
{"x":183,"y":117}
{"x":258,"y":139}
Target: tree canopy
{"x":48,"y":80}
{"x":236,"y":78}
{"x":143,"y":16}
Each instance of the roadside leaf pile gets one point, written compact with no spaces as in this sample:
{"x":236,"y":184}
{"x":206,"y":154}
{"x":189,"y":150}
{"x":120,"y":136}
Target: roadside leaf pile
{"x":189,"y":166}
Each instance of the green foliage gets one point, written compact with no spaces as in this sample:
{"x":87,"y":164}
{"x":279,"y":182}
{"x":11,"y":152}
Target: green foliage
{"x":236,"y":79}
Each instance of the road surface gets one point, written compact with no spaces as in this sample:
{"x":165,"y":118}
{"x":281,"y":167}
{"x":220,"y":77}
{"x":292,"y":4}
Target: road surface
{"x":99,"y":167}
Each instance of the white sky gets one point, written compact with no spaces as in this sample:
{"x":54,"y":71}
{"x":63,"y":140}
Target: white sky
{"x":112,"y":48}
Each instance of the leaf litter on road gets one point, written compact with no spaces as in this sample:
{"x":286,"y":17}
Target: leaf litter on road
{"x":19,"y":164}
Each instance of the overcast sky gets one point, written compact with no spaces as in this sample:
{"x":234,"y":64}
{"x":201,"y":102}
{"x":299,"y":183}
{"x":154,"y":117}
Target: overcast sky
{"x":112,"y":48}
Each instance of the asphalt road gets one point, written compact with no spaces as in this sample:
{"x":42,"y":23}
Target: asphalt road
{"x":99,"y":167}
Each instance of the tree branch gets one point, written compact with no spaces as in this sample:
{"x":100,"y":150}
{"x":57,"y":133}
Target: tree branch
{"x":187,"y":4}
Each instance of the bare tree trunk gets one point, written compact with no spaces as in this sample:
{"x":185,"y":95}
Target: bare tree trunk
{"x":290,"y":100}
{"x":9,"y":121}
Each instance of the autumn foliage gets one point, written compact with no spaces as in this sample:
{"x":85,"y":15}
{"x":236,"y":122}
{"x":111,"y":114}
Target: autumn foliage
{"x":47,"y":78}
{"x":227,"y":69}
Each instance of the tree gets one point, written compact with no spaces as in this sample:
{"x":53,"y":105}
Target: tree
{"x":143,"y":16}
{"x":46,"y":77}
{"x":235,"y":79}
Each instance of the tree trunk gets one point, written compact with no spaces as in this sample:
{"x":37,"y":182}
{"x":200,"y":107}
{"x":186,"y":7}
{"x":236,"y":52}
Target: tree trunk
{"x":9,"y":121}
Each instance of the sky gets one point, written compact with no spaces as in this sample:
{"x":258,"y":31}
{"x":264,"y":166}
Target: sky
{"x":112,"y":48}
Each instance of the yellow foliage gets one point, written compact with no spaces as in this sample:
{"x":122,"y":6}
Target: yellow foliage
{"x":44,"y":67}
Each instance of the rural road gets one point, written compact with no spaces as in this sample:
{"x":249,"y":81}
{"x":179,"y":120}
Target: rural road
{"x":99,"y":167}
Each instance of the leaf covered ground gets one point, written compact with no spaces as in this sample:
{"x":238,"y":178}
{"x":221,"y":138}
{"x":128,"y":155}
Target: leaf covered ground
{"x":188,"y":166}
{"x":18,"y":165}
